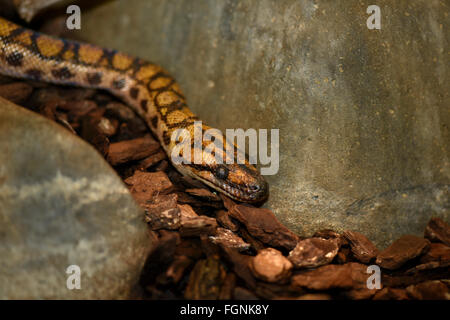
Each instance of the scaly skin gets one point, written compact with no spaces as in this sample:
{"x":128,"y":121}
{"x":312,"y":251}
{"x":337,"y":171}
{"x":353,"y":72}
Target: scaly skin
{"x":145,"y":87}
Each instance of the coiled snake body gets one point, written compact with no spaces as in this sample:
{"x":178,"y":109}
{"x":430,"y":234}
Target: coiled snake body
{"x":147,"y":88}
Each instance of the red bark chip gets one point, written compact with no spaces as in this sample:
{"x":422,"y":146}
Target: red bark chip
{"x":438,"y":230}
{"x":362,"y":248}
{"x":313,"y":252}
{"x":129,"y":150}
{"x":263,"y":225}
{"x":401,"y":251}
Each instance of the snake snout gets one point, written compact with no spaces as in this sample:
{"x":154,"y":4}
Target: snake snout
{"x":258,"y":191}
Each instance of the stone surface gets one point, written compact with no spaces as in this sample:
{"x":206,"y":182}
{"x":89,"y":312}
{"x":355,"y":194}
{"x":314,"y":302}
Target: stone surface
{"x":363,"y":114}
{"x":63,"y":205}
{"x":271,"y":266}
{"x":313,"y":252}
{"x":401,"y":251}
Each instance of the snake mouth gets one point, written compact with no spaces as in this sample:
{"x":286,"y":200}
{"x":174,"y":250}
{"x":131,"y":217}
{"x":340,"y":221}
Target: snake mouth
{"x":247,"y":193}
{"x":248,"y":186}
{"x":250,"y":193}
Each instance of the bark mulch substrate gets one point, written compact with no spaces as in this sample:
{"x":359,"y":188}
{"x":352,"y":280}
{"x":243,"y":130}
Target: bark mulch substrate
{"x":209,"y":247}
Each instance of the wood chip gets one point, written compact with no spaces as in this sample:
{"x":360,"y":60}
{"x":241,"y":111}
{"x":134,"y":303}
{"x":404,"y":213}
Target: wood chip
{"x":224,"y":219}
{"x":205,"y":280}
{"x":189,"y":247}
{"x":16,"y":92}
{"x":77,"y":109}
{"x":362,"y":248}
{"x":226,"y":291}
{"x":313,"y":252}
{"x":263,"y":225}
{"x":161,"y":256}
{"x":271,"y":266}
{"x":241,"y":266}
{"x":240,"y":293}
{"x":129,"y":150}
{"x":90,"y":131}
{"x":145,"y":185}
{"x":438,"y":230}
{"x":391,"y":294}
{"x":228,"y":239}
{"x":429,"y":290}
{"x":151,"y":160}
{"x":162,"y":212}
{"x":438,"y":252}
{"x":401,"y":251}
{"x":177,"y":269}
{"x":347,"y":276}
{"x":195,"y":225}
{"x":108,"y":126}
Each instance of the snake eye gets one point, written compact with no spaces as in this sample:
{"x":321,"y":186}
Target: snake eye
{"x":222,"y":172}
{"x":254,"y":188}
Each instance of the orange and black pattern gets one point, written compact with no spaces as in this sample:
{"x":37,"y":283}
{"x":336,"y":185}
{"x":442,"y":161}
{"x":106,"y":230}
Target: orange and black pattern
{"x":144,"y":86}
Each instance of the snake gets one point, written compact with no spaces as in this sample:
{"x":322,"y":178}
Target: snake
{"x":145,"y":87}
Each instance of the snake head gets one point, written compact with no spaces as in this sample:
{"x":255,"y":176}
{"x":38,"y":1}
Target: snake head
{"x":241,"y":182}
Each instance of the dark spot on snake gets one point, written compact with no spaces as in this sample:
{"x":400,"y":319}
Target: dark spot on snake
{"x":154,"y":121}
{"x":35,"y":74}
{"x":134,"y":92}
{"x":94,"y":78}
{"x":222,"y":172}
{"x":62,"y":73}
{"x":119,"y":83}
{"x":144,"y":104}
{"x":166,"y":137}
{"x":15,"y":59}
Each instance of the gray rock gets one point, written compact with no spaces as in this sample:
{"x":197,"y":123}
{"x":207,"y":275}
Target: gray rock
{"x":60,"y":205}
{"x":362,"y":113}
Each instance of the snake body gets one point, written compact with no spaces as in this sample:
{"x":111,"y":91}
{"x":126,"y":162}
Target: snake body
{"x":145,"y":87}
